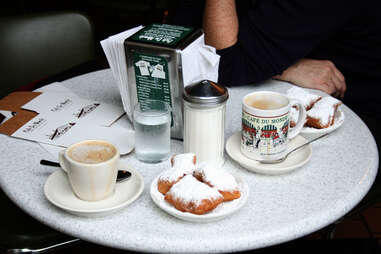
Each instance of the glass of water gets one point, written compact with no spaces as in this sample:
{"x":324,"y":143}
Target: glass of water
{"x":152,"y":123}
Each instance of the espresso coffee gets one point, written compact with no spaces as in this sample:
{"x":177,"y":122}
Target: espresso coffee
{"x":92,"y":152}
{"x":261,"y":103}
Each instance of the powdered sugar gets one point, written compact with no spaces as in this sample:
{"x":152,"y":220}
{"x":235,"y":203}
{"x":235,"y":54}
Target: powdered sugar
{"x":338,"y":121}
{"x":307,"y":99}
{"x":324,"y":110}
{"x":172,"y":174}
{"x":183,"y":164}
{"x":189,"y":189}
{"x":184,"y":161}
{"x":218,"y":178}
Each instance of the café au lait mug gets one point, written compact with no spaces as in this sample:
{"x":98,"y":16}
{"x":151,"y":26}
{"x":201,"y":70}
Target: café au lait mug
{"x":92,"y":168}
{"x":266,"y":125}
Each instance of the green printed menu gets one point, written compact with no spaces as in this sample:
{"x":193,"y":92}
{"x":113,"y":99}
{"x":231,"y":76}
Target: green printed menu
{"x":152,"y":79}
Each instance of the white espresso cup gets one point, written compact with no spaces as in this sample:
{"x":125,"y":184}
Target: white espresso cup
{"x":92,"y":168}
{"x":266,"y":125}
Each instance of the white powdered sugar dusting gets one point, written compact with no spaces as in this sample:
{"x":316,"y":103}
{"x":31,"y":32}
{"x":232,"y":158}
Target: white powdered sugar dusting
{"x":173,"y":174}
{"x":217,"y":177}
{"x":183,"y":164}
{"x":190,"y":189}
{"x":324,"y":109}
{"x":303,"y":96}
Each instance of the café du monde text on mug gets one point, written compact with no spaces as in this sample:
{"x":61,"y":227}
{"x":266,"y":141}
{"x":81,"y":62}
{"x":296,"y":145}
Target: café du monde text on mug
{"x":266,"y":125}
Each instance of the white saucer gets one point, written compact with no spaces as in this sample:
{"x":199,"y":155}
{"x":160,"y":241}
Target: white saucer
{"x":221,"y":211}
{"x":339,"y":120}
{"x":58,"y":191}
{"x":294,"y":160}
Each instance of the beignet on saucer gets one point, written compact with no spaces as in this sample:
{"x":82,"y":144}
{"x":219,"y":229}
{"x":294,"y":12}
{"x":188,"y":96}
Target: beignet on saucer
{"x":307,"y":99}
{"x":219,"y":179}
{"x":181,"y":165}
{"x":322,"y":114}
{"x":193,"y":196}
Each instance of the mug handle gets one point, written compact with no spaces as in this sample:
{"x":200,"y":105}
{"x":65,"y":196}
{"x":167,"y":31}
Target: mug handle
{"x":62,"y":160}
{"x":301,"y":119}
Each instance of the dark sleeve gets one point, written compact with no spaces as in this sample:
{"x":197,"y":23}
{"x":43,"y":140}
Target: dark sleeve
{"x":189,"y":13}
{"x":274,"y":34}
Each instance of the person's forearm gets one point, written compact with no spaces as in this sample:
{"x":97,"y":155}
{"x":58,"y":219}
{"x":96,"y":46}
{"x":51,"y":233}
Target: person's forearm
{"x":220,"y":23}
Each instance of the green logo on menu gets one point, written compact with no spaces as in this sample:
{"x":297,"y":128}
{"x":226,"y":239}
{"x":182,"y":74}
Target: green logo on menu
{"x":162,"y":34}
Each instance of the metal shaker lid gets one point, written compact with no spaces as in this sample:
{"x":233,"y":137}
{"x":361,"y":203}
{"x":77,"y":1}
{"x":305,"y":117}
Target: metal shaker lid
{"x":206,"y":92}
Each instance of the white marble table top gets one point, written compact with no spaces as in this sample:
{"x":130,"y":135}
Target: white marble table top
{"x":279,"y":208}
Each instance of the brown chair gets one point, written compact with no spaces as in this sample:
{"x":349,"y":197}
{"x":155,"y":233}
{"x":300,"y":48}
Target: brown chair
{"x":34,"y":48}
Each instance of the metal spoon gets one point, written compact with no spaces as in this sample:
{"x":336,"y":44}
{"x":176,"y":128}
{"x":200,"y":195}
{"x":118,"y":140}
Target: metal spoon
{"x":293,"y":150}
{"x":122,"y":174}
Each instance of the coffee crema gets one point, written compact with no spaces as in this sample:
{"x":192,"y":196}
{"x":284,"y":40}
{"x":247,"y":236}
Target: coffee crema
{"x":260,"y":103}
{"x":92,"y":152}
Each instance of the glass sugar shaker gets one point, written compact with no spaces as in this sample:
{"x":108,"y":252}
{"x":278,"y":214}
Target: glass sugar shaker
{"x":204,"y":121}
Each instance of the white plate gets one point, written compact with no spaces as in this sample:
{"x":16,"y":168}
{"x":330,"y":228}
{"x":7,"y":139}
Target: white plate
{"x":58,"y":191}
{"x":339,"y":120}
{"x":221,"y":211}
{"x":294,"y":160}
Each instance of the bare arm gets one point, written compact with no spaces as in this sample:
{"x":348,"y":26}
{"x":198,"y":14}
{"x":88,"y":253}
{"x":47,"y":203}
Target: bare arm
{"x":220,"y":23}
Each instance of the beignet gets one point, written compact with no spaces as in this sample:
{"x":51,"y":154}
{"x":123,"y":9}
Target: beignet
{"x":307,"y":99}
{"x":183,"y":161}
{"x":181,"y":165}
{"x":193,"y":196}
{"x":219,"y":179}
{"x":322,"y":114}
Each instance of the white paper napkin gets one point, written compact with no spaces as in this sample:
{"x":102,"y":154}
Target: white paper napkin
{"x":113,"y":47}
{"x":199,"y":62}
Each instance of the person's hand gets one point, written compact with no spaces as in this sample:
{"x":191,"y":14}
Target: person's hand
{"x":316,"y":74}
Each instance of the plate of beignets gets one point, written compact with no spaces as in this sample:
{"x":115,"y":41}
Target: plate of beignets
{"x":323,"y":112}
{"x":198,"y":192}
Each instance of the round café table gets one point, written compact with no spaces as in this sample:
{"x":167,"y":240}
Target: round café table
{"x":279,"y":208}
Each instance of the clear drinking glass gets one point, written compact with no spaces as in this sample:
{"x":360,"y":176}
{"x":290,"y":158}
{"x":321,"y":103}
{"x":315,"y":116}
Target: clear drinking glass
{"x":152,"y":120}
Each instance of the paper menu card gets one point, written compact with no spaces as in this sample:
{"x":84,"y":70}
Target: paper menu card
{"x":62,"y":118}
{"x":14,"y":116}
{"x":54,"y":87}
{"x":70,"y":107}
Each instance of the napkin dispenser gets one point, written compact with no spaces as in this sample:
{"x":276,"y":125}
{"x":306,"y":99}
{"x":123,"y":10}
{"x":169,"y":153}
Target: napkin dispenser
{"x":155,"y":67}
